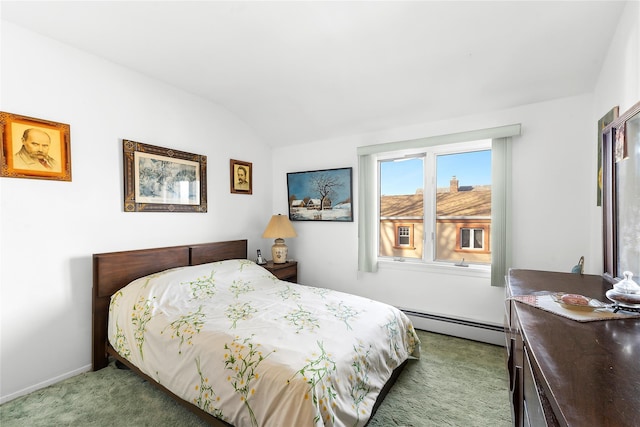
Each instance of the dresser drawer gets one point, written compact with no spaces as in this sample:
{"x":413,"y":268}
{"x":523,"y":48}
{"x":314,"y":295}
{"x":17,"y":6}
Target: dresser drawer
{"x":534,"y":414}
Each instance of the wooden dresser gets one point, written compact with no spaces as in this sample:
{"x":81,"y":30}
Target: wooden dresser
{"x":568,"y":373}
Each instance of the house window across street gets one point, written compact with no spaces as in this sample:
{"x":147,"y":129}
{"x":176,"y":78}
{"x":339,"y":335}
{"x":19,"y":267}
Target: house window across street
{"x":471,"y":238}
{"x":404,"y":236}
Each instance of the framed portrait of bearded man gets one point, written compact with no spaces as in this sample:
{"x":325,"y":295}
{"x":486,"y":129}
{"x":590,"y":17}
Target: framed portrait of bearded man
{"x":34,"y":148}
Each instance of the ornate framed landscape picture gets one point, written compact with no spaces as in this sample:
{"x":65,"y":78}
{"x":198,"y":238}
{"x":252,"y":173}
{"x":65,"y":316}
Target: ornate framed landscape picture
{"x":241,"y":178}
{"x":34,"y":148}
{"x":320,"y":195}
{"x":158,"y":179}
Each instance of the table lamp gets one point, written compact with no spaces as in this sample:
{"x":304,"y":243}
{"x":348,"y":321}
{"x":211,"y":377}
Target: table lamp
{"x":278,"y":228}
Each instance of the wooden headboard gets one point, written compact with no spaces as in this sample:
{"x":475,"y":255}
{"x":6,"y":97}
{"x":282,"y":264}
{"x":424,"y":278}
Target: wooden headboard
{"x":114,"y":270}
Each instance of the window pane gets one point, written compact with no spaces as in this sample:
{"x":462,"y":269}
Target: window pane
{"x":465,"y":238}
{"x":463,"y":201}
{"x":404,"y":236}
{"x":478,"y":238}
{"x":401,"y":200}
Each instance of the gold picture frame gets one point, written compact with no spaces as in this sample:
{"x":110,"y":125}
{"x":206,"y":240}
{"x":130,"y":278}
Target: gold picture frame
{"x":158,"y":179}
{"x":241,"y":177}
{"x":34,"y":148}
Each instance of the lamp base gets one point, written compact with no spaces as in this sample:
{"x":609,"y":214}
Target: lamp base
{"x":279,"y":252}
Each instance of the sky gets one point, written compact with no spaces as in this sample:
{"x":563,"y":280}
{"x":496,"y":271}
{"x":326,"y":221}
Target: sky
{"x":404,"y":177}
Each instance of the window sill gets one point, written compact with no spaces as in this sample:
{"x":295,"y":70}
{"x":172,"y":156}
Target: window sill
{"x":472,"y":251}
{"x":480,"y":271}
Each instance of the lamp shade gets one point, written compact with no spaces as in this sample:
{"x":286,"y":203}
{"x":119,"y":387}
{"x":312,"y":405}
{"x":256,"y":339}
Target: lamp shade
{"x":279,"y":227}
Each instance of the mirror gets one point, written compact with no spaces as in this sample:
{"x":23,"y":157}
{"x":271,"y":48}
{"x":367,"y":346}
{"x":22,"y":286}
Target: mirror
{"x":621,"y":194}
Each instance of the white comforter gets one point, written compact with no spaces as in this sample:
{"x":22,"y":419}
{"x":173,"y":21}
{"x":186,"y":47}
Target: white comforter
{"x":256,"y":351}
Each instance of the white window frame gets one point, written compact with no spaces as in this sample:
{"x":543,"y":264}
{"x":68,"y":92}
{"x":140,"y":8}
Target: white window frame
{"x":407,"y":236}
{"x":429,"y":186}
{"x":472,"y":238}
{"x":368,"y":202}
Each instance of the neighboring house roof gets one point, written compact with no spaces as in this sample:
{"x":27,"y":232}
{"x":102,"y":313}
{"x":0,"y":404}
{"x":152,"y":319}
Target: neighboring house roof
{"x":410,"y":205}
{"x":462,"y":203}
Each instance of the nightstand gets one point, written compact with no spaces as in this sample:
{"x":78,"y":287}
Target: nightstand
{"x":286,"y":271}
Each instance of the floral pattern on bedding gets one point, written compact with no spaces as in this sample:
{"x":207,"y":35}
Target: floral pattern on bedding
{"x":317,"y":373}
{"x":256,"y":351}
{"x":186,"y":327}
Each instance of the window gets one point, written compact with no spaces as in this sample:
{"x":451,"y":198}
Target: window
{"x":370,"y":196}
{"x":404,"y":235}
{"x":471,"y":238}
{"x":429,"y":197}
{"x":401,"y":210}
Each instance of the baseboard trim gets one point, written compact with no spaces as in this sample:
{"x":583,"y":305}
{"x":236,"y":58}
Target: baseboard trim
{"x":463,"y":328}
{"x":43,"y":384}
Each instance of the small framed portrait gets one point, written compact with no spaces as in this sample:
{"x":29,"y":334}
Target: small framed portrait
{"x":34,"y":148}
{"x":241,"y":177}
{"x":158,"y":179}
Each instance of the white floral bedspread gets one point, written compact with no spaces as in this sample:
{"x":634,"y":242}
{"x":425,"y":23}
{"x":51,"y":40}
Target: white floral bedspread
{"x":256,"y":351}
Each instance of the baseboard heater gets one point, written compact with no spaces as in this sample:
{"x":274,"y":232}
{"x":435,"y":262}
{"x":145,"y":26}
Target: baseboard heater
{"x":463,"y":322}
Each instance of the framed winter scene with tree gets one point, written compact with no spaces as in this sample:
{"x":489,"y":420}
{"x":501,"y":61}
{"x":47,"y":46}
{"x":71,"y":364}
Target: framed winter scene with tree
{"x":321,"y":195}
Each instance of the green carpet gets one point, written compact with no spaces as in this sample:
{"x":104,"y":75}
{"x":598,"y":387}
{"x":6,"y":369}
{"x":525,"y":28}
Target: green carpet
{"x":455,"y":383}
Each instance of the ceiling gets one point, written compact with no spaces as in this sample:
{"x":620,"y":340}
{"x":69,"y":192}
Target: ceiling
{"x":299,"y":71}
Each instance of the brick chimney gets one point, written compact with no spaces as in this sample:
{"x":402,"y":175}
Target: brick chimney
{"x":453,"y":185}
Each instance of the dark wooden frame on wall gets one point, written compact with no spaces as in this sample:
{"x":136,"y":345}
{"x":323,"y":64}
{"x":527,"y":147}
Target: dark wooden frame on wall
{"x":134,"y":201}
{"x":610,"y":237}
{"x":12,"y":129}
{"x":234,"y":167}
{"x":603,"y":123}
{"x":302,"y":186}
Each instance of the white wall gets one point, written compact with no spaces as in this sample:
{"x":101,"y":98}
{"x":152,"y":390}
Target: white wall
{"x":555,"y":218}
{"x":50,"y":229}
{"x":619,"y":80}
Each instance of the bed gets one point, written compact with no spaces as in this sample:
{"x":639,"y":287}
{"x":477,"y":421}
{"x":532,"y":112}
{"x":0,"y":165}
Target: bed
{"x":239,"y":347}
